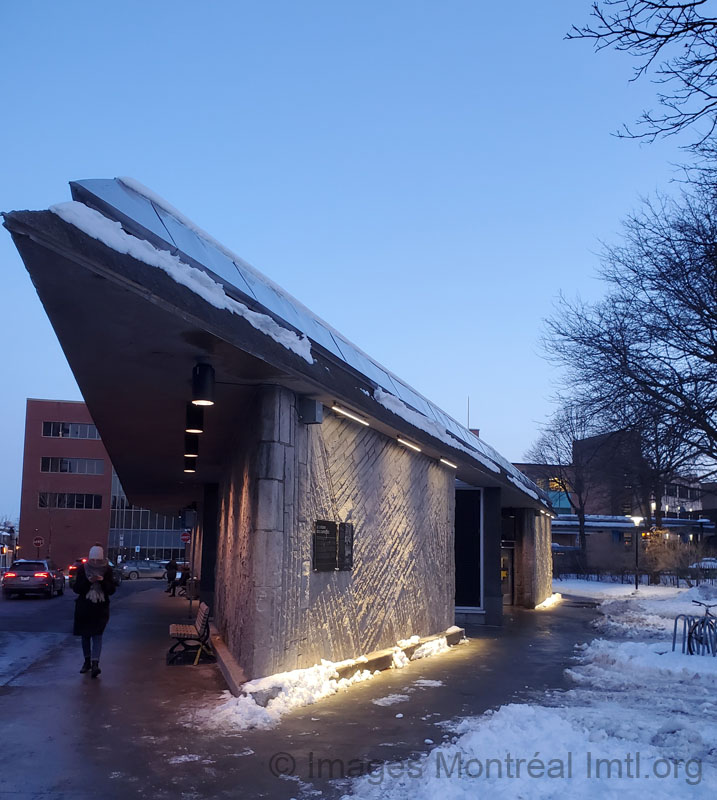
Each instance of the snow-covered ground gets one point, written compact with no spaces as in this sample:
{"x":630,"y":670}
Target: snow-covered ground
{"x":640,"y":721}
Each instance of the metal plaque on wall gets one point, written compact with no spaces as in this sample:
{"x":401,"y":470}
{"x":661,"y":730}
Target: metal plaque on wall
{"x":346,"y":546}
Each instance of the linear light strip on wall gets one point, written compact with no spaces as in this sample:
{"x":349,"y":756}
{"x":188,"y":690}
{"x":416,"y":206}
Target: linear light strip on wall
{"x":402,"y":441}
{"x":348,"y":414}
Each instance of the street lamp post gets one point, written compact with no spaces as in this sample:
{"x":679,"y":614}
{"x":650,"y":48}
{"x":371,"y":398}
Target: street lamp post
{"x":636,"y":522}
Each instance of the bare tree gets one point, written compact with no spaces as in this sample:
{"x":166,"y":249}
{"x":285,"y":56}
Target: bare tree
{"x":652,"y":342}
{"x":563,"y":469}
{"x":676,"y":43}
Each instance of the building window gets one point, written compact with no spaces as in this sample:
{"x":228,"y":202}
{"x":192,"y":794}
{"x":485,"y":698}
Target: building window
{"x":617,"y":537}
{"x":70,"y":430}
{"x":76,"y":466}
{"x":69,"y":500}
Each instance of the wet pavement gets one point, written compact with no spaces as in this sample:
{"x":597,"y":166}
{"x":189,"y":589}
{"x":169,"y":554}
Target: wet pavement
{"x":131,"y":733}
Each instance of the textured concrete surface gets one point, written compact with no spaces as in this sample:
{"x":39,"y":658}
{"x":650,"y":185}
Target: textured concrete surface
{"x":133,"y":733}
{"x":273,"y":611}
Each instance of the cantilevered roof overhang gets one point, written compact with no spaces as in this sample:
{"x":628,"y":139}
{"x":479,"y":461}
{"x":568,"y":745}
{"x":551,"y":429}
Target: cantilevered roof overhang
{"x":137,"y":295}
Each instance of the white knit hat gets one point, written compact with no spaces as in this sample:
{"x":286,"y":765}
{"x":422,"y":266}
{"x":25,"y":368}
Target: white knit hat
{"x":96,"y":553}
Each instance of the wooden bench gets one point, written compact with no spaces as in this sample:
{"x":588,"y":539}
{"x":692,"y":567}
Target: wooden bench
{"x":191,"y":637}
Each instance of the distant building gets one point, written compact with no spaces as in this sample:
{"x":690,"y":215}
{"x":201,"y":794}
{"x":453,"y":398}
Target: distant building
{"x":617,"y":481}
{"x":71,"y":497}
{"x":546,"y":477}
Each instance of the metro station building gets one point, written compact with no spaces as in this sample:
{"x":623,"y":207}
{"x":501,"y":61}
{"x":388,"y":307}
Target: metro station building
{"x":337,"y":510}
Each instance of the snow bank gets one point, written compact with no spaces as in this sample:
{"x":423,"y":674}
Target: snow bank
{"x":539,"y":753}
{"x":288,"y":690}
{"x":609,"y":664}
{"x":432,"y":648}
{"x":265,"y":700}
{"x":111,"y":234}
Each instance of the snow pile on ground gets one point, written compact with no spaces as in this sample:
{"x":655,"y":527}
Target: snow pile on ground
{"x":111,"y":234}
{"x":613,"y":665}
{"x":549,"y":602}
{"x":265,"y":700}
{"x":648,"y":613}
{"x":431,"y":648}
{"x":536,"y":752}
{"x":285,"y":691}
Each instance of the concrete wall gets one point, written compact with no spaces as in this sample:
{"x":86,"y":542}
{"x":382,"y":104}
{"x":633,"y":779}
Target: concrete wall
{"x":533,"y":560}
{"x":275,"y":613}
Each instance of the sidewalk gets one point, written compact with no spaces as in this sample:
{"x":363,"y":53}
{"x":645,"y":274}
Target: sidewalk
{"x":127,"y":735}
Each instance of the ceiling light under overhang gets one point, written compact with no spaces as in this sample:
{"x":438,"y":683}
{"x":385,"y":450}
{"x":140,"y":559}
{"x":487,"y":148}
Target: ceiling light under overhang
{"x":195,"y":419}
{"x":203,"y":385}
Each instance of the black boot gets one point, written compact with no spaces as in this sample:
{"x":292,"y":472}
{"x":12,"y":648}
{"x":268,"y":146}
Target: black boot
{"x":95,"y":669}
{"x":85,"y":666}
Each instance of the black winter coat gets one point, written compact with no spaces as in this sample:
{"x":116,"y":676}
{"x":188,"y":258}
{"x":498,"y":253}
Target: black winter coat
{"x":91,"y":618}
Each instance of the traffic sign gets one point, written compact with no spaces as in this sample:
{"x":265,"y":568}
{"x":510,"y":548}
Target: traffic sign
{"x":186,"y":537}
{"x":38,"y":541}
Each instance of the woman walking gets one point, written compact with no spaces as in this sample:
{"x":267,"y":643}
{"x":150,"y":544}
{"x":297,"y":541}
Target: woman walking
{"x":94,"y":584}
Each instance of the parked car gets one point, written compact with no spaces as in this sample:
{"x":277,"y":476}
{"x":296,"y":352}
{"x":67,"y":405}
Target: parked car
{"x":143,"y":569}
{"x":705,"y":563}
{"x":33,"y":576}
{"x":72,"y":571}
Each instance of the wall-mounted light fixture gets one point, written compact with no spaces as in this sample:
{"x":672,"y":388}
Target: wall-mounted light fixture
{"x":195,"y":419}
{"x":191,"y":445}
{"x":190,"y":464}
{"x":203,"y":385}
{"x":348,"y":414}
{"x":409,"y":444}
{"x":449,"y":463}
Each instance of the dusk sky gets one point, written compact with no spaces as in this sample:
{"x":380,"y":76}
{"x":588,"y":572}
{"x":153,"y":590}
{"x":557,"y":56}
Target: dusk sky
{"x":425,"y":176}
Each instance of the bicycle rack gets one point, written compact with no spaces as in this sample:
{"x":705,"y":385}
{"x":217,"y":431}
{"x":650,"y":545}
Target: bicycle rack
{"x":708,"y":644}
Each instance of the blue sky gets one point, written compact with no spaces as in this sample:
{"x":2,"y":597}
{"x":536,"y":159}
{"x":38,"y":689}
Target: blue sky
{"x":425,"y":176}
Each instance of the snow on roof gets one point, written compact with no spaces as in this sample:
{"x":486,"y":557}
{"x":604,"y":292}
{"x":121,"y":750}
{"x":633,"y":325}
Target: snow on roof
{"x":111,"y":234}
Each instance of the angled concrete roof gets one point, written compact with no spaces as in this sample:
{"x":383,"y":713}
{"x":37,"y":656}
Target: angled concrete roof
{"x":137,"y":293}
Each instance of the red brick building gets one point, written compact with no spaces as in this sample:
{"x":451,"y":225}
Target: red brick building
{"x":66,"y":482}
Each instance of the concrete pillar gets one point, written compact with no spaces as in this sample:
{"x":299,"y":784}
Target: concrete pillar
{"x":275,"y":449}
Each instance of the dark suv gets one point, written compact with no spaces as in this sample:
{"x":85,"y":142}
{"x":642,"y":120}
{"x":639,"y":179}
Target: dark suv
{"x":33,"y":576}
